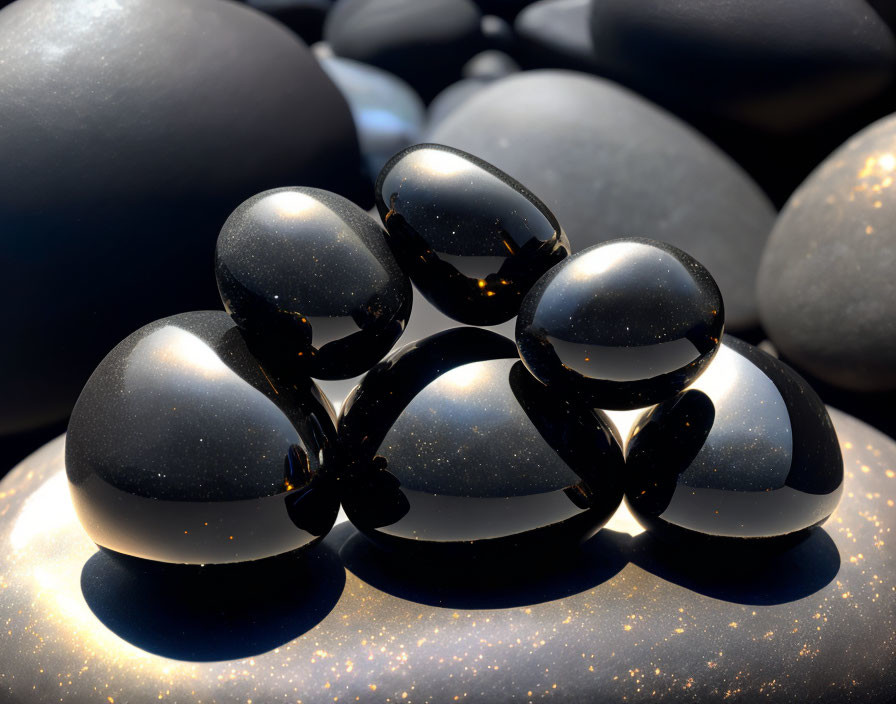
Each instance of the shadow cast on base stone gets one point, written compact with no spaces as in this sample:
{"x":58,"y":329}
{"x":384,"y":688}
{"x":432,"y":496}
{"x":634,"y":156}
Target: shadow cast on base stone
{"x":758,"y":577}
{"x":216,"y":612}
{"x":521,"y":579}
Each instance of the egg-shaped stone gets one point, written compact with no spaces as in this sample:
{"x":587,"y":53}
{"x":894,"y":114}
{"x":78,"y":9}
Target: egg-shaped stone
{"x":826,"y":283}
{"x":308,"y":275}
{"x":453,"y":446}
{"x":610,"y":164}
{"x":622,"y":325}
{"x":472,"y":239}
{"x":182,"y":449}
{"x":129,"y":131}
{"x":746,"y":452}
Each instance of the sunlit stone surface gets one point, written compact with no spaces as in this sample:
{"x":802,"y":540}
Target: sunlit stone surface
{"x":624,"y":324}
{"x":182,"y":449}
{"x":747,"y":452}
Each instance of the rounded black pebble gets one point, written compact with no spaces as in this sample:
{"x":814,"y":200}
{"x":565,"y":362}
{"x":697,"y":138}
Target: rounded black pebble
{"x":130,"y":130}
{"x":472,"y":239}
{"x":456,"y":449}
{"x":182,"y":449}
{"x":745,"y":456}
{"x":622,"y":325}
{"x":308,"y":275}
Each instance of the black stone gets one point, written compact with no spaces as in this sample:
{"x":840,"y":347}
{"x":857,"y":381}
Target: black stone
{"x":557,"y":34}
{"x":826,"y":283}
{"x":425,"y":43}
{"x":771,"y":65}
{"x":182,"y":449}
{"x":455,"y":448}
{"x":448,"y":100}
{"x":308,"y":275}
{"x":610,"y":164}
{"x":622,"y":325}
{"x":472,"y":239}
{"x":747,"y":455}
{"x":129,"y":132}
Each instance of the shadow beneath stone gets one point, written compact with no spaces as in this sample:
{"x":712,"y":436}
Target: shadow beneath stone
{"x":749,"y":576}
{"x":487,"y":581}
{"x":216,"y":612}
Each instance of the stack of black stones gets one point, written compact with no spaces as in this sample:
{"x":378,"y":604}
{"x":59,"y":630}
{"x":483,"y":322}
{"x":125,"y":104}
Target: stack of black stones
{"x":203,"y":439}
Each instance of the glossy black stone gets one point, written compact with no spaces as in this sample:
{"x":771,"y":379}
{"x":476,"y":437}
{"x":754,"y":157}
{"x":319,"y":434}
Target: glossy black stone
{"x":308,"y":275}
{"x":182,"y":449}
{"x":456,"y":449}
{"x":746,"y":452}
{"x":472,"y":239}
{"x":622,"y":325}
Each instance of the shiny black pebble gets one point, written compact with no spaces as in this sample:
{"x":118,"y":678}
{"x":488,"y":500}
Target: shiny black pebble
{"x":472,"y":239}
{"x":309,"y":277}
{"x":622,"y":325}
{"x":182,"y":449}
{"x":746,"y":452}
{"x":456,"y":449}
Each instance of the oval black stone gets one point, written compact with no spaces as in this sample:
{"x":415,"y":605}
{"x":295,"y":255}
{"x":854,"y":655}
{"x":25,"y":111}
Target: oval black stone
{"x":623,"y":325}
{"x":456,"y":448}
{"x":181,"y":448}
{"x":309,"y":276}
{"x":747,"y":451}
{"x":472,"y":239}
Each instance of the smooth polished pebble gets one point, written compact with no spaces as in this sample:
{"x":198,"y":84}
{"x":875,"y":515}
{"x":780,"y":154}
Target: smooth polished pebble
{"x":610,"y":164}
{"x":182,"y":449}
{"x":472,"y":239}
{"x":309,"y":276}
{"x":452,"y":446}
{"x":746,"y":452}
{"x":130,"y":130}
{"x":388,"y":114}
{"x":623,"y":325}
{"x":826,"y":282}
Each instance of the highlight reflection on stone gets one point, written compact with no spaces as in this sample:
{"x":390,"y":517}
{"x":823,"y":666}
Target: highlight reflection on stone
{"x":747,"y":451}
{"x":472,"y":239}
{"x":309,"y":276}
{"x":453,"y":446}
{"x":182,"y":449}
{"x":622,"y":325}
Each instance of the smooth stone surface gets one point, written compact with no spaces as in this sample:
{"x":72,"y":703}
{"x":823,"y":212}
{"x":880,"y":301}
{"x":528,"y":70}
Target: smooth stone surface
{"x":452,"y":446}
{"x":388,"y":114}
{"x":490,"y":65}
{"x":557,"y":33}
{"x":308,"y":275}
{"x":472,"y":239}
{"x":746,"y":453}
{"x":826,"y":285}
{"x":451,"y":98}
{"x":610,"y":164}
{"x":182,"y":449}
{"x":621,"y":325}
{"x":813,"y":624}
{"x":425,"y":43}
{"x":773,"y":66}
{"x":129,"y":132}
{"x":304,"y":17}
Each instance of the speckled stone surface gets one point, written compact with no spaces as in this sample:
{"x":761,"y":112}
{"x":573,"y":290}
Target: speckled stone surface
{"x":826,"y":284}
{"x":610,"y":164}
{"x":310,"y":278}
{"x":626,"y":620}
{"x":623,"y":324}
{"x":182,"y":449}
{"x":746,"y":454}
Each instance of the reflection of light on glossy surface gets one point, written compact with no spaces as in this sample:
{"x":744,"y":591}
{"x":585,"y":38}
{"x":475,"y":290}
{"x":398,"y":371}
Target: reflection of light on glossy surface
{"x":465,"y":376}
{"x":600,"y":260}
{"x":442,"y":163}
{"x":604,"y":643}
{"x":178,"y":349}
{"x":290,"y":204}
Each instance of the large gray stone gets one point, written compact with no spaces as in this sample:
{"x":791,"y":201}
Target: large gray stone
{"x":129,"y":131}
{"x":826,"y":284}
{"x":609,"y":164}
{"x":557,"y":33}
